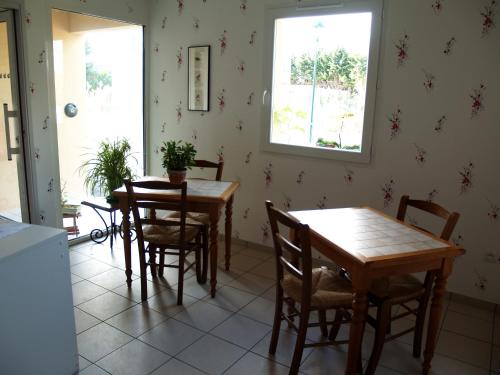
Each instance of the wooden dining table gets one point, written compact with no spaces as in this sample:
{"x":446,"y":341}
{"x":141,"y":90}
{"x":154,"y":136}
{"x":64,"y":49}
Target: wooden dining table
{"x":369,"y":245}
{"x":205,"y":196}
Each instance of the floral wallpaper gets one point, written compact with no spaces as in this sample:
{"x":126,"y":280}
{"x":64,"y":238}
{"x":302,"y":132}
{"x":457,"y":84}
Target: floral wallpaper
{"x":436,"y":132}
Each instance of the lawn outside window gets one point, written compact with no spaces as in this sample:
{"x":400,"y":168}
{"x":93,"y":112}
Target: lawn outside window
{"x":321,"y":79}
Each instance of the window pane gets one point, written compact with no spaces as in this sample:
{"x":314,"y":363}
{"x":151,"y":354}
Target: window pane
{"x":319,"y":80}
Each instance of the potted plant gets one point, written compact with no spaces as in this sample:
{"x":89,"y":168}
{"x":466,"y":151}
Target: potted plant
{"x":177,"y":158}
{"x":108,"y":168}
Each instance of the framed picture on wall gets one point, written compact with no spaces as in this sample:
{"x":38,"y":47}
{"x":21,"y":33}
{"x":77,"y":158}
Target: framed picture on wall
{"x":199,"y":78}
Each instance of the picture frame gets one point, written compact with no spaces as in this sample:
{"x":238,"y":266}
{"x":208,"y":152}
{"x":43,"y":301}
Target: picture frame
{"x":199,"y":78}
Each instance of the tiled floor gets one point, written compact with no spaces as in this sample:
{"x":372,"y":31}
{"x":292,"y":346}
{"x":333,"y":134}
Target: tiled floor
{"x":230,"y":333}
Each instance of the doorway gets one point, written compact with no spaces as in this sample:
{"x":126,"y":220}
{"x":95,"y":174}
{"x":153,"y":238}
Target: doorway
{"x":13,"y":192}
{"x":98,"y":72}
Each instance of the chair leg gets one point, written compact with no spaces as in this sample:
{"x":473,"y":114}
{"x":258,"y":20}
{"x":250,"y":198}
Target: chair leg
{"x":301,"y":339}
{"x":180,"y":285}
{"x":199,"y":272}
{"x":383,"y":319}
{"x":322,"y":322}
{"x":144,"y":283}
{"x":334,"y":331}
{"x":419,"y":326}
{"x":161,"y":262}
{"x":278,"y":312}
{"x":204,"y":239}
{"x":152,"y":260}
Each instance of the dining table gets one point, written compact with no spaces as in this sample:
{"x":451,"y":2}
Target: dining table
{"x":203,"y":196}
{"x":370,"y":244}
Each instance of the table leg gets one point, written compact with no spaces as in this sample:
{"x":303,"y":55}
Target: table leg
{"x":228,"y":229}
{"x":436,"y":313}
{"x":126,"y":242}
{"x":214,"y":234}
{"x":359,"y":312}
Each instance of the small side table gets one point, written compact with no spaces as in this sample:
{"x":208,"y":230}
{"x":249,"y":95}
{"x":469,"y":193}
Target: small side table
{"x":99,"y":235}
{"x":71,"y":211}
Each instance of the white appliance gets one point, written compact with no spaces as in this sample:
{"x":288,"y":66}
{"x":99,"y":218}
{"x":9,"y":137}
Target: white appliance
{"x":37,"y":325}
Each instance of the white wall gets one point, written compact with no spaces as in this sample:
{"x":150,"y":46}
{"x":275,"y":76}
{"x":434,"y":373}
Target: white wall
{"x":37,"y":40}
{"x":464,"y":139}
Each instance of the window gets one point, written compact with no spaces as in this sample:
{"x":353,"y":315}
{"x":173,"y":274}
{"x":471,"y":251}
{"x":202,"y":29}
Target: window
{"x":321,"y":81}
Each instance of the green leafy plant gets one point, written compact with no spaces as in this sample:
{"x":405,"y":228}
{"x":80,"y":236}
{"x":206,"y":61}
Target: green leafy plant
{"x":109,"y":167}
{"x":178,"y":156}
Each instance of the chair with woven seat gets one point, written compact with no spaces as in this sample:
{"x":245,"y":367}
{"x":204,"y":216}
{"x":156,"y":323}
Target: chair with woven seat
{"x":164,"y":236}
{"x":401,"y":290}
{"x":316,"y":289}
{"x":202,"y":219}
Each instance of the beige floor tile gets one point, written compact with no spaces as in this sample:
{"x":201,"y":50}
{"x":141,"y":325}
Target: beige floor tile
{"x":203,"y":316}
{"x":242,"y":262}
{"x":325,"y":360}
{"x":134,"y":292}
{"x":270,"y":294}
{"x":84,"y":321}
{"x":75,"y":279}
{"x":442,"y":365}
{"x":174,"y":366}
{"x":90,"y":268}
{"x":166,"y":302}
{"x":134,"y":358}
{"x":136,"y":320}
{"x":468,"y":326}
{"x":97,"y":342}
{"x":398,"y":356}
{"x":266,"y":269}
{"x":252,"y":364}
{"x":196,"y":290}
{"x":211,"y":354}
{"x":76,"y":257}
{"x":260,"y":309}
{"x":284,"y":350}
{"x":251,"y":283}
{"x":83,"y":363}
{"x":262,"y":254}
{"x":85,"y":291}
{"x":111,"y":279}
{"x":225,"y":277}
{"x":171,"y":336}
{"x":478,"y":312}
{"x":230,"y":298}
{"x":93,"y":370}
{"x":464,"y":349}
{"x":106,"y":305}
{"x":241,"y":331}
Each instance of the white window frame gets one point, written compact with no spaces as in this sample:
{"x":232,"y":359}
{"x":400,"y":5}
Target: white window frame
{"x":321,"y":8}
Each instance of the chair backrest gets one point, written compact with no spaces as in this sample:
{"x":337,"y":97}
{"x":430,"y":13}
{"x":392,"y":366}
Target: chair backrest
{"x":210,"y":164}
{"x":149,"y":197}
{"x":299,"y":262}
{"x":450,"y":218}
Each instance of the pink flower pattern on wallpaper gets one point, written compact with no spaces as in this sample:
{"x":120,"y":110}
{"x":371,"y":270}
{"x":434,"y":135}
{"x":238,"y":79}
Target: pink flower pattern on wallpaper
{"x":388,"y":192}
{"x":481,"y":281}
{"x":220,"y":154}
{"x":432,"y":195}
{"x":421,"y":154}
{"x":178,"y":110}
{"x":27,"y":18}
{"x":300,"y":177}
{"x":449,"y":46}
{"x":402,"y":49}
{"x":494,"y":212}
{"x":246,"y":213}
{"x":440,"y":123}
{"x":268,"y":173}
{"x":252,"y":38}
{"x":250,"y":98}
{"x":164,"y":23}
{"x":348,"y":175}
{"x":287,"y":202}
{"x":466,"y":177}
{"x":322,"y":202}
{"x":477,"y":97}
{"x":221,"y":100}
{"x":437,"y":6}
{"x":32,"y":87}
{"x":264,"y":228}
{"x":196,"y":23}
{"x":488,"y":17}
{"x":223,"y":42}
{"x":395,"y":122}
{"x":180,"y":57}
{"x":248,"y":157}
{"x":239,"y":125}
{"x":429,"y":81}
{"x":243,"y":6}
{"x":180,"y":6}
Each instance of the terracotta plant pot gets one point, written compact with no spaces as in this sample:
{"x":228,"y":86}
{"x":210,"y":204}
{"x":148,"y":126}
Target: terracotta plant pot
{"x":176,"y":177}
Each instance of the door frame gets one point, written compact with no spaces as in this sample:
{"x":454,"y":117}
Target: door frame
{"x":27,"y":178}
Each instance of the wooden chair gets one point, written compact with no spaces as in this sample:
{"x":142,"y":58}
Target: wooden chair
{"x":164,"y":236}
{"x":317,"y":289}
{"x":201,"y":219}
{"x":400,"y":290}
